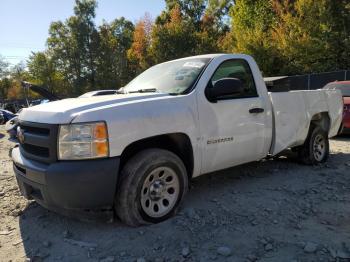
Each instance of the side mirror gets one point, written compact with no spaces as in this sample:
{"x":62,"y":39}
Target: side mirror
{"x":224,"y":87}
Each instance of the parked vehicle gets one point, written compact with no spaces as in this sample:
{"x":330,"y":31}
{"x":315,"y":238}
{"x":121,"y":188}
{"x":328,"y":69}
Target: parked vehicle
{"x":12,"y":107}
{"x":2,"y":119}
{"x":7,"y":115}
{"x":344,"y":87}
{"x":11,"y":126}
{"x":136,"y":152}
{"x":99,"y":93}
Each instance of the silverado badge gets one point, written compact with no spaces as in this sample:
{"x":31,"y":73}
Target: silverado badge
{"x":220,"y":140}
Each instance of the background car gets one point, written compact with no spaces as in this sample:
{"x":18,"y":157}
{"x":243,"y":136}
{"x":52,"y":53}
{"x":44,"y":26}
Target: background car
{"x":344,"y":87}
{"x":2,"y":119}
{"x":11,"y":127}
{"x":7,"y":115}
{"x":12,"y":124}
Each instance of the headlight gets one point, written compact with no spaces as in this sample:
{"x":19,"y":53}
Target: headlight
{"x":83,"y":141}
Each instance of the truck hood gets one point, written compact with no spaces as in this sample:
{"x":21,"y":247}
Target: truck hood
{"x":44,"y":93}
{"x":64,"y":111}
{"x":40,"y":90}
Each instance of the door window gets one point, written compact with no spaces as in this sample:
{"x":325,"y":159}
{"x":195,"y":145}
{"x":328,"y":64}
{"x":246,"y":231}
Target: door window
{"x":236,"y":68}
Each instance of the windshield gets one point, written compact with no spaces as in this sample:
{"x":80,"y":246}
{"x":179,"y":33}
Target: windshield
{"x":174,"y":77}
{"x":344,"y":88}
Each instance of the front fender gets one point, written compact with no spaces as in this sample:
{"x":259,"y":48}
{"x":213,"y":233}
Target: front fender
{"x":136,"y":120}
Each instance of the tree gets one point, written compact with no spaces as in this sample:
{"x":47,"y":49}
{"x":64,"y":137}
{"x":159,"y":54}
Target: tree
{"x":42,"y":71}
{"x":113,"y":69}
{"x":250,"y":33}
{"x":192,"y":10}
{"x":209,"y":35}
{"x":312,"y":36}
{"x":74,"y":45}
{"x":18,"y":72}
{"x":10,"y":78}
{"x":84,"y":31}
{"x":5,"y":85}
{"x":291,"y":37}
{"x":284,"y":36}
{"x":174,"y":39}
{"x":219,"y":10}
{"x":4,"y":81}
{"x":14,"y":91}
{"x":340,"y":14}
{"x":4,"y":66}
{"x":190,"y":27}
{"x":138,"y":54}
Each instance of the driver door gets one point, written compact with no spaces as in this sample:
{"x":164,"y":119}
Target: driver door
{"x":232,"y":128}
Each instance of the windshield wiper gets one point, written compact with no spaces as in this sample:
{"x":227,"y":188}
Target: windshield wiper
{"x":146,"y":90}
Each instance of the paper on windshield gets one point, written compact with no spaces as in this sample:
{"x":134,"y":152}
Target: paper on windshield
{"x":194,"y":64}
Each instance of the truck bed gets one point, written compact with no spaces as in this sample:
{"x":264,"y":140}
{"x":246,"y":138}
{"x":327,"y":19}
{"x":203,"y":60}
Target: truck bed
{"x":293,"y":111}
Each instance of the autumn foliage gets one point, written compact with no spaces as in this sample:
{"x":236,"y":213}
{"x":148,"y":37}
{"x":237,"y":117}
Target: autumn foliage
{"x":284,"y":36}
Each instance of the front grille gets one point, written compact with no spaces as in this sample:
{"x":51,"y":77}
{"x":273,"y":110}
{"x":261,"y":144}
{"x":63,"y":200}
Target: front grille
{"x":39,"y":141}
{"x":37,"y":130}
{"x":36,"y":150}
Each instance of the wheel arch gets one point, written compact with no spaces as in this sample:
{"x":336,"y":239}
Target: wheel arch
{"x":177,"y":143}
{"x":322,"y":120}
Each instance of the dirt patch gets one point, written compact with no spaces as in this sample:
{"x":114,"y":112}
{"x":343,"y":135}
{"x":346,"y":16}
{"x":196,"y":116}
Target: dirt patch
{"x":274,"y":210}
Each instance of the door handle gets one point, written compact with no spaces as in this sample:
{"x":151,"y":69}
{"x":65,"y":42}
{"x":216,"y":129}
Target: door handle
{"x":256,"y":110}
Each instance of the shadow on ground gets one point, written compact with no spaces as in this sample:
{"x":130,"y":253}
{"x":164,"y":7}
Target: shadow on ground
{"x":276,"y":202}
{"x":343,"y":138}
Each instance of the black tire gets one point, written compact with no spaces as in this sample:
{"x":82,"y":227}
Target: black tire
{"x":128,"y":205}
{"x":310,"y":153}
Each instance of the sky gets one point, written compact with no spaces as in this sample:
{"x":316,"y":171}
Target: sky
{"x":24,"y":24}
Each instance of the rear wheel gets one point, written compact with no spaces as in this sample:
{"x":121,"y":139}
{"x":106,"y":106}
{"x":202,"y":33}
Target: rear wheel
{"x":152,"y":186}
{"x":316,"y":147}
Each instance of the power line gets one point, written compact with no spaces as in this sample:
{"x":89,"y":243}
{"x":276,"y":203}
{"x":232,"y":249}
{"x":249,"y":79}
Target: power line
{"x":14,"y":56}
{"x":20,"y":45}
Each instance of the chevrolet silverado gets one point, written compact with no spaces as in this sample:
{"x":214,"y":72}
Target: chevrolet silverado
{"x":133,"y":153}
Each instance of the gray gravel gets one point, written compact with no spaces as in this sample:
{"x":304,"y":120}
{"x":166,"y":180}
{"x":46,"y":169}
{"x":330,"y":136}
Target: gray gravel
{"x":274,"y":210}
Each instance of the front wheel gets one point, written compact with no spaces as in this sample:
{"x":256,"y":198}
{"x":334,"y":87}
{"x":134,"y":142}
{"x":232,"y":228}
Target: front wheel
{"x":316,"y":147}
{"x":152,"y":186}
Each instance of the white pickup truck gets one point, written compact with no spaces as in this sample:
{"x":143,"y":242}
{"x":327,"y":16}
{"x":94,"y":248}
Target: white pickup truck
{"x":134,"y":152}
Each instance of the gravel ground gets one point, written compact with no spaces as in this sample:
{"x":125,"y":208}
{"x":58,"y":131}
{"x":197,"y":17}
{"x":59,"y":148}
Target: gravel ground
{"x":274,"y":210}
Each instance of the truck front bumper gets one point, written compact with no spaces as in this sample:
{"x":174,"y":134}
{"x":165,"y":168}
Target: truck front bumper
{"x":73,"y":188}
